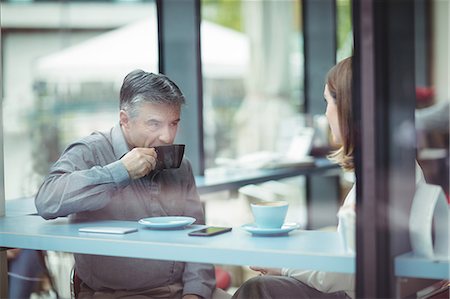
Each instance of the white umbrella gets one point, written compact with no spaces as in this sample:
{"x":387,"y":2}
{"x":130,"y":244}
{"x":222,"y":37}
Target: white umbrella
{"x":110,"y":56}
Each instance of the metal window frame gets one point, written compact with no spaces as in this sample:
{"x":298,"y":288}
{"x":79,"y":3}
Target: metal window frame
{"x":179,"y":28}
{"x":320,"y":44}
{"x":383,"y":110}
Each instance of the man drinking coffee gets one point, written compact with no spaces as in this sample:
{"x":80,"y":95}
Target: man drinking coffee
{"x":111,"y":176}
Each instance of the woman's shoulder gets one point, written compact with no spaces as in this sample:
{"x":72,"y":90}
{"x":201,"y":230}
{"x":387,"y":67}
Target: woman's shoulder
{"x":350,"y":199}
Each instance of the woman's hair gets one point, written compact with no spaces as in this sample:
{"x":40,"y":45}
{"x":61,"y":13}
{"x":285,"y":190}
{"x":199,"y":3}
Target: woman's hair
{"x":140,"y":86}
{"x":339,"y":81}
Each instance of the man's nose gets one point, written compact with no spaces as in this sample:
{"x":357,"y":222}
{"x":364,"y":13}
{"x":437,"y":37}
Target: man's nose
{"x":166,"y":135}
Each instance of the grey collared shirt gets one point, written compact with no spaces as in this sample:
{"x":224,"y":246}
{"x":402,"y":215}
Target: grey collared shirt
{"x":89,"y":182}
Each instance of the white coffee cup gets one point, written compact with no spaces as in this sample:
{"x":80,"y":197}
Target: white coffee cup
{"x":269,"y":214}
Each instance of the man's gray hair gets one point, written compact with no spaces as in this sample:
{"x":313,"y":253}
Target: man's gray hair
{"x":142,"y":87}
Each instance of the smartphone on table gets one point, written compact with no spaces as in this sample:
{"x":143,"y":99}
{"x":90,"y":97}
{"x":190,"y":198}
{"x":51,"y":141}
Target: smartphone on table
{"x":209,"y":231}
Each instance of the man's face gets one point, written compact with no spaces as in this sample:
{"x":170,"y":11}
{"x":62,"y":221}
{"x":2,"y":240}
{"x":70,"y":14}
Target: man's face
{"x":155,"y":124}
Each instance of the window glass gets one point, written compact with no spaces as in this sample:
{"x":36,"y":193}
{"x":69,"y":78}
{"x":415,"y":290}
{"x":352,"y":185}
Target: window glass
{"x":63,"y":64}
{"x":432,"y":91}
{"x":252,"y":63}
{"x":344,"y":31}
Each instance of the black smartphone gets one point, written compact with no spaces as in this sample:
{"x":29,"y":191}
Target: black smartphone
{"x":210,"y":231}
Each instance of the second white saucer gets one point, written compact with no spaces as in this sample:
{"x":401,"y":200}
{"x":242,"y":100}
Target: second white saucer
{"x":285,"y":229}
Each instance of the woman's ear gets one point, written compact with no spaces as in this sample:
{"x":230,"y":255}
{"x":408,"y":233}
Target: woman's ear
{"x":124,"y":119}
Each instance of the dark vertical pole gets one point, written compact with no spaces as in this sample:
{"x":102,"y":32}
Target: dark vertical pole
{"x":401,"y":135}
{"x":363,"y":63}
{"x":3,"y":261}
{"x":2,"y":182}
{"x":384,"y":102}
{"x":422,"y":42}
{"x":319,"y":35}
{"x":161,"y":31}
{"x":180,"y":60}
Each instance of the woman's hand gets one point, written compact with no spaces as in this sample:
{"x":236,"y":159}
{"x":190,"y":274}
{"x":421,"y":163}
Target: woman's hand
{"x":12,"y":253}
{"x":267,"y":271}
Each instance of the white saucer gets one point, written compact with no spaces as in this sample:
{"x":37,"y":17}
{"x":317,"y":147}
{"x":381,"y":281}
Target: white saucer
{"x":167,"y":222}
{"x":284,"y":230}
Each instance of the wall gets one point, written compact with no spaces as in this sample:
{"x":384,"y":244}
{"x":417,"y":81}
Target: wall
{"x":441,"y":48}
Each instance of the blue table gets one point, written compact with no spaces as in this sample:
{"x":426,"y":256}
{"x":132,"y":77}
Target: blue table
{"x":408,"y":265}
{"x":301,"y":249}
{"x":304,"y":249}
{"x":20,"y":206}
{"x":318,"y":250}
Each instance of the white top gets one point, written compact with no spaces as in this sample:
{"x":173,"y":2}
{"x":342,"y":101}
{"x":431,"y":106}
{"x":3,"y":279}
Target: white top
{"x":329,"y":282}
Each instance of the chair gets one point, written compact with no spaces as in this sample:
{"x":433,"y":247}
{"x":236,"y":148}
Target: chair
{"x":75,"y":283}
{"x":223,"y":281}
{"x":223,"y":278}
{"x":28,"y":274}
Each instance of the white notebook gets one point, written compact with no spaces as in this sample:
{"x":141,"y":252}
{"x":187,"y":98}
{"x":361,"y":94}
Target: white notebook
{"x":107,"y":229}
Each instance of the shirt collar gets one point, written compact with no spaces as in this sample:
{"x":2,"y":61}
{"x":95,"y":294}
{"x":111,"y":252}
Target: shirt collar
{"x":119,"y":143}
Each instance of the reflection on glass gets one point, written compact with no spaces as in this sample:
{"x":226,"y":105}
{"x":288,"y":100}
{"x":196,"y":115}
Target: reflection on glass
{"x":256,"y":85}
{"x":432,"y":92}
{"x":344,"y":30}
{"x":62,"y":73}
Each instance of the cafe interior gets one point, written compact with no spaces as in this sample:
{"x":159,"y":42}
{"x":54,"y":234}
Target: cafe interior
{"x":254,"y":129}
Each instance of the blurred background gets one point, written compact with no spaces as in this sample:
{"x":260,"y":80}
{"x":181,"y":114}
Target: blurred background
{"x":63,"y":63}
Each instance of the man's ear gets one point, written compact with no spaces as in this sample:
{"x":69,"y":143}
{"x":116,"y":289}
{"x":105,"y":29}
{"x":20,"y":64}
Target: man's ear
{"x":124,"y":119}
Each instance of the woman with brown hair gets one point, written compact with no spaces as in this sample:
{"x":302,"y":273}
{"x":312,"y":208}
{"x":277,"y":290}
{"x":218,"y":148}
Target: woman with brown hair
{"x":294,"y":283}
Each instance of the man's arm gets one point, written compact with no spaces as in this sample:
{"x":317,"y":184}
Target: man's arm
{"x":76,"y":183}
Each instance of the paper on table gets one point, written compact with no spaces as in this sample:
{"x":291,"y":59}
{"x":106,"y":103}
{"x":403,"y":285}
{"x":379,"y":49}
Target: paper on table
{"x":429,"y":205}
{"x":107,"y":230}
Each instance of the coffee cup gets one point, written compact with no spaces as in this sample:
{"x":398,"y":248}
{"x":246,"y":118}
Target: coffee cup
{"x":269,"y":214}
{"x":169,"y":156}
